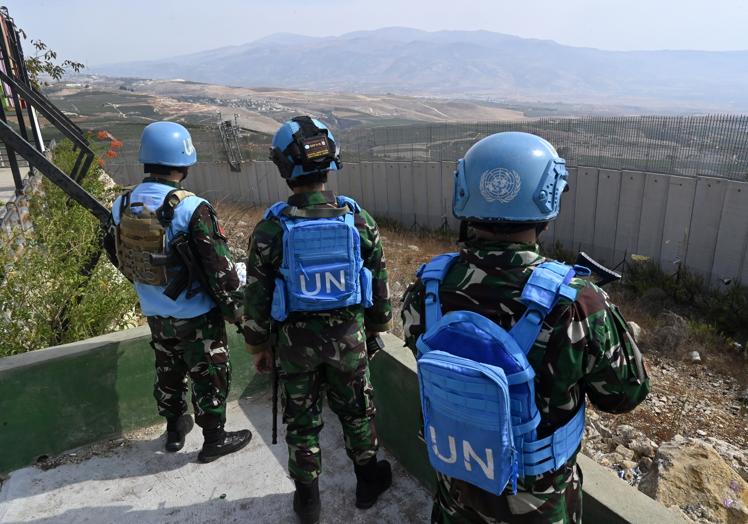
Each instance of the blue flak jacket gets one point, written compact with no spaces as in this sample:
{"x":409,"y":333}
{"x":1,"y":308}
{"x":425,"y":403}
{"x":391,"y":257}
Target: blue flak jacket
{"x":322,"y":267}
{"x":477,"y":386}
{"x":153,"y":302}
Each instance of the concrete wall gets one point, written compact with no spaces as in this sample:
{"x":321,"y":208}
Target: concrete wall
{"x":701,"y":222}
{"x":55,"y":399}
{"x":14,"y":209}
{"x":257,"y":184}
{"x":59,"y":398}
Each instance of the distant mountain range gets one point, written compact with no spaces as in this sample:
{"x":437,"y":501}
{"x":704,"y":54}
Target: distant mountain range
{"x":475,"y":64}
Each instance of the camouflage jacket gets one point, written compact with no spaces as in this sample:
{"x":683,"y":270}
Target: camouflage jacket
{"x":347,"y":325}
{"x":211,"y":248}
{"x":584,"y":348}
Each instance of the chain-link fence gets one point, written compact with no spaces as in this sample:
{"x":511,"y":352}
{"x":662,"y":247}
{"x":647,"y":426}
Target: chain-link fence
{"x":206,"y":138}
{"x":714,"y":145}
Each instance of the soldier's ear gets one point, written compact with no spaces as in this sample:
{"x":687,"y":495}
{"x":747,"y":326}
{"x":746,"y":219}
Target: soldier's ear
{"x":540,"y":228}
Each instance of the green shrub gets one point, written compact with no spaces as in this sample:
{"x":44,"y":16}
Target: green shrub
{"x":46,"y":294}
{"x":722,"y":311}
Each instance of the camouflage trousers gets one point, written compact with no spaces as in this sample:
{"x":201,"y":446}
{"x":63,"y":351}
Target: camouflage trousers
{"x":550,"y":499}
{"x":350,"y":396}
{"x":194,"y":347}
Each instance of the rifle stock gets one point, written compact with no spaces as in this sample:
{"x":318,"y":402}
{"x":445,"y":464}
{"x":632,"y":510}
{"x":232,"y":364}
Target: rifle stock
{"x":606,"y":275}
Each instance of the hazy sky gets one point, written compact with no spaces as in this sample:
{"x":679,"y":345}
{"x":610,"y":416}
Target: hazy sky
{"x":102,"y":31}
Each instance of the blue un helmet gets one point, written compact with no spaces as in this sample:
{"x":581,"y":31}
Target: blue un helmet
{"x":510,"y":177}
{"x":167,"y":144}
{"x":304,"y":146}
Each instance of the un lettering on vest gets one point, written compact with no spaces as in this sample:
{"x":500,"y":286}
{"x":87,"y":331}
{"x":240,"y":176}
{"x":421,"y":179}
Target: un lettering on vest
{"x":468,"y":454}
{"x":330,"y":282}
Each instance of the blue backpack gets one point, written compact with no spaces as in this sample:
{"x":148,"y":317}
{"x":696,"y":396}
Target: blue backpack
{"x":322,"y":266}
{"x":477,"y":388}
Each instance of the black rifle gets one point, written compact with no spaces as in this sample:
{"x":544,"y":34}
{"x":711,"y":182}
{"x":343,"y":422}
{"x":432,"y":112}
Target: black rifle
{"x":191,"y":272}
{"x":373,"y":345}
{"x":606,"y":275}
{"x":273,"y":337}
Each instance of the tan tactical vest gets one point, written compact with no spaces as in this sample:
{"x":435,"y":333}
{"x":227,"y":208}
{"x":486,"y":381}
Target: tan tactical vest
{"x":141,"y":239}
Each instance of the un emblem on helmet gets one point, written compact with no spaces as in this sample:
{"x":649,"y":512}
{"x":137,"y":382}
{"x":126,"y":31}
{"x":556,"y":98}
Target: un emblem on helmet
{"x":500,"y":185}
{"x":188,"y":147}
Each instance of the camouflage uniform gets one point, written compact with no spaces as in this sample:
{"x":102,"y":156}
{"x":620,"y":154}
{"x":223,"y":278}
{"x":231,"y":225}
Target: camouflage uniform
{"x":318,"y":351}
{"x":198,"y":346}
{"x":584,"y":349}
{"x":195,"y":347}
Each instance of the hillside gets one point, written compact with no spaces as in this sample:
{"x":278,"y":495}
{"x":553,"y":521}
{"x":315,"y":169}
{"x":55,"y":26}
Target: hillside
{"x":115,"y":102}
{"x":478,"y":64}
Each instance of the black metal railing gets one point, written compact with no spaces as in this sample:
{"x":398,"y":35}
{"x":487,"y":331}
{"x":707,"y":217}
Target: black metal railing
{"x":21,"y":133}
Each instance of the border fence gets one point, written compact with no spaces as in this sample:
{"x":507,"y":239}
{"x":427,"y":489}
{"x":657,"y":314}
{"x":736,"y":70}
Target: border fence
{"x":206,"y":138}
{"x":699,"y":223}
{"x":712,"y":145}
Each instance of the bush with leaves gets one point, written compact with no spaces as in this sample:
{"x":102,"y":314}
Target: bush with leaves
{"x":58,"y":287}
{"x":44,"y":62}
{"x":721,"y":311}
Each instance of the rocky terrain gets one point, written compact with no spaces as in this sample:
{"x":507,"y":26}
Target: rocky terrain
{"x":703,"y":478}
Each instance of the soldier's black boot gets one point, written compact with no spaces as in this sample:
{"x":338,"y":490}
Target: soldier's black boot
{"x":306,"y":501}
{"x":176,"y":429}
{"x":374,"y":478}
{"x":219,"y":443}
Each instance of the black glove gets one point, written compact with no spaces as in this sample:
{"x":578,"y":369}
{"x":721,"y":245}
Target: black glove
{"x":374,"y":344}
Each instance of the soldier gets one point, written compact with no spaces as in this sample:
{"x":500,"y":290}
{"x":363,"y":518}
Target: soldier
{"x":169,"y":243}
{"x":507,"y":189}
{"x":316,"y":278}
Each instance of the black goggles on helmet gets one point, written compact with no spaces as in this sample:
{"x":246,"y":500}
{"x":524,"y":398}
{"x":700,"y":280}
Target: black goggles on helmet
{"x":311,"y":148}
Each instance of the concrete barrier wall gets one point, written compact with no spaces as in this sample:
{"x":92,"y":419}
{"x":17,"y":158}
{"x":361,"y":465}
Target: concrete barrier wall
{"x":258,"y":183}
{"x":700,"y":223}
{"x":15,"y":220}
{"x":56,"y":399}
